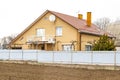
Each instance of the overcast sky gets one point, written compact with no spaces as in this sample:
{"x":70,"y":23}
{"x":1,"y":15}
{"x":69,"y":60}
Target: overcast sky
{"x":16,"y":15}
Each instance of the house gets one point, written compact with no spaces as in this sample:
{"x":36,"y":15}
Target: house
{"x":57,"y":31}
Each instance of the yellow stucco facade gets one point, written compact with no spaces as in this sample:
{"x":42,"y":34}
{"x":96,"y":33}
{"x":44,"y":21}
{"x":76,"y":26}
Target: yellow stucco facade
{"x":70,"y":38}
{"x":87,"y":40}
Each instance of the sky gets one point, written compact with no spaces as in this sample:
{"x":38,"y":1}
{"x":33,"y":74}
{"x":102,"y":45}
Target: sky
{"x":16,"y":15}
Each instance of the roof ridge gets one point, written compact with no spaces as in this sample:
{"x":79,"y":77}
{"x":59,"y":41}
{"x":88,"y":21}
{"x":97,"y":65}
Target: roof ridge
{"x":65,"y":14}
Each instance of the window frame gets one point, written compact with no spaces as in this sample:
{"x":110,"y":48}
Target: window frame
{"x":38,"y":34}
{"x":68,"y":46}
{"x":59,"y":31}
{"x":88,"y":47}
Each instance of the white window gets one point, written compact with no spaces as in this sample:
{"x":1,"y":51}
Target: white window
{"x":58,"y":31}
{"x":67,"y":47}
{"x":40,"y":32}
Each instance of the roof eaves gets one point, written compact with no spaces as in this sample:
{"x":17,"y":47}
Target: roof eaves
{"x":96,"y":34}
{"x":90,"y":33}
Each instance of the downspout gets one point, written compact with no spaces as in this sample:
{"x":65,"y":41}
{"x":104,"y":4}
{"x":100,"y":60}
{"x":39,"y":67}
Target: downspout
{"x":78,"y":47}
{"x":80,"y":41}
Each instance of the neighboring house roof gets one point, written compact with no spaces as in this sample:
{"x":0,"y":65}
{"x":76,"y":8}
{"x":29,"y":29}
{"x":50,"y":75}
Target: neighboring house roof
{"x":79,"y":24}
{"x":114,"y":28}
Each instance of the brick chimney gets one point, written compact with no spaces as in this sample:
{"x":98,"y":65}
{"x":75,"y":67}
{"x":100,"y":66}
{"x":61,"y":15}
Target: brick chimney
{"x":88,"y":19}
{"x":80,"y":16}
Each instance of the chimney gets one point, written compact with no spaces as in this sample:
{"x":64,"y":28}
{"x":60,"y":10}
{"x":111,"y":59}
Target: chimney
{"x":88,"y":19}
{"x":80,"y":16}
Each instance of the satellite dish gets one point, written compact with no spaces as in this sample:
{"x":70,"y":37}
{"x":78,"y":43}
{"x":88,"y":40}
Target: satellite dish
{"x":52,"y":18}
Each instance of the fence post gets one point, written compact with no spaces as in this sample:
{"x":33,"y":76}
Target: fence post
{"x":91,"y":57}
{"x":22,"y":54}
{"x":9,"y":55}
{"x":53,"y":57}
{"x":114,"y":59}
{"x":37,"y":55}
{"x":71,"y":57}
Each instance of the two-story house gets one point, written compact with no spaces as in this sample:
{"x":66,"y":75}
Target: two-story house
{"x":57,"y":31}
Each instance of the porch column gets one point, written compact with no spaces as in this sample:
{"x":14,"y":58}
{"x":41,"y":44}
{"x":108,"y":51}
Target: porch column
{"x":45,"y":46}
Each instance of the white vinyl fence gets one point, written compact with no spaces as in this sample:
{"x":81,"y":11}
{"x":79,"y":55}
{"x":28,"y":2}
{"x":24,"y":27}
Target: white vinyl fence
{"x":66,"y":57}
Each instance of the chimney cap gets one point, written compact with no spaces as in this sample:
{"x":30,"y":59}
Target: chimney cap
{"x":80,"y":16}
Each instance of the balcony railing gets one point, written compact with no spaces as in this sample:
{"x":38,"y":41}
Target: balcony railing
{"x":46,"y":39}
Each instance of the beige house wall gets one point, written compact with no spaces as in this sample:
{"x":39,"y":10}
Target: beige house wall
{"x":87,"y":39}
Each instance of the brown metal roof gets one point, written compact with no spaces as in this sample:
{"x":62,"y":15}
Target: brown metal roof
{"x":80,"y":24}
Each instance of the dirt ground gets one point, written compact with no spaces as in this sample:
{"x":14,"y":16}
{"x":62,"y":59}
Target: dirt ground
{"x":13,"y":71}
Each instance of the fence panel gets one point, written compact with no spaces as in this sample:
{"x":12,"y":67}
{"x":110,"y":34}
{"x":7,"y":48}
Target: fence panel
{"x":16,"y":55}
{"x":4,"y":54}
{"x":62,"y":57}
{"x":103,"y":57}
{"x":117,"y":57}
{"x":82,"y":57}
{"x":30,"y":55}
{"x":70,"y":57}
{"x":45,"y":56}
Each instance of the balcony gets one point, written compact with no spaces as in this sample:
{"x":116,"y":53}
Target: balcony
{"x":40,"y":39}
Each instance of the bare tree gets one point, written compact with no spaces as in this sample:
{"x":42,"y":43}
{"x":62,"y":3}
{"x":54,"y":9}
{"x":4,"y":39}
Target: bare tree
{"x":6,"y":40}
{"x":3,"y":43}
{"x":102,"y":22}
